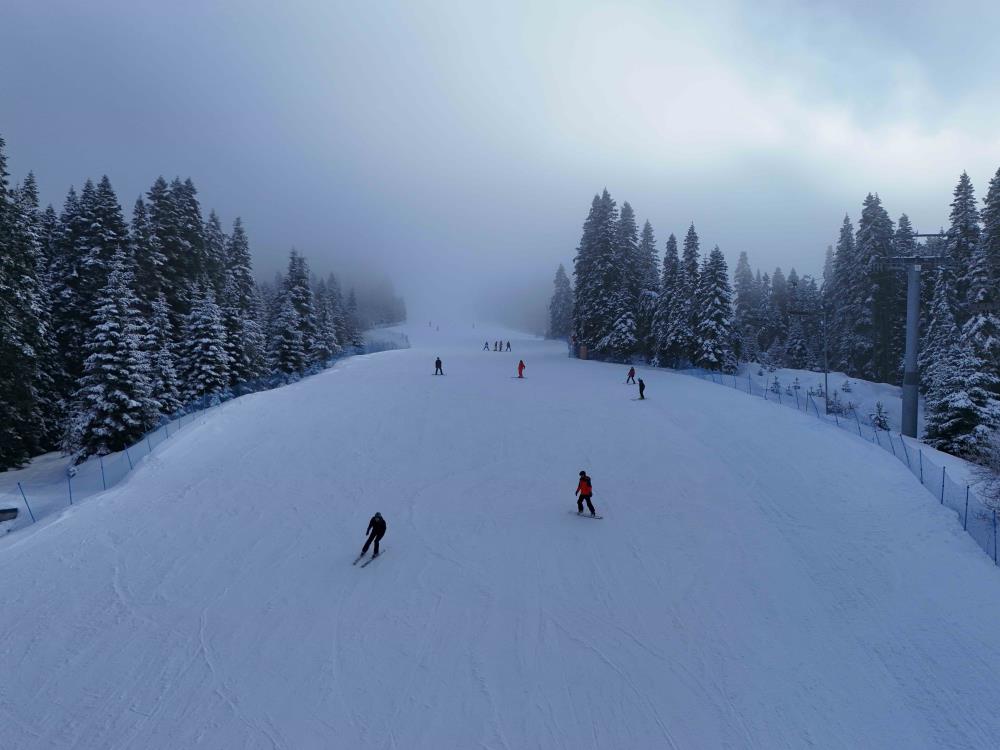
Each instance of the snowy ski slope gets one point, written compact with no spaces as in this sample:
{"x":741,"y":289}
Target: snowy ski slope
{"x":742,"y":591}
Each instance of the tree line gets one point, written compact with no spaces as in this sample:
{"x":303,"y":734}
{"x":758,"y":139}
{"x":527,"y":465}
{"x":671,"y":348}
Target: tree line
{"x":681,"y":311}
{"x":107,"y":326}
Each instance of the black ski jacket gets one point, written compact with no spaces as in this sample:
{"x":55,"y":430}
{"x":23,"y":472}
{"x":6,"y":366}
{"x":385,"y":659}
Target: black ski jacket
{"x":377,"y":524}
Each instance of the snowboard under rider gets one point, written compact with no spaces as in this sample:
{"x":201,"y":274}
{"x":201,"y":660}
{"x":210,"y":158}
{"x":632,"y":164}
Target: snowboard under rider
{"x":631,"y":375}
{"x":437,"y":367}
{"x":376,"y":530}
{"x":520,"y":369}
{"x":642,"y":389}
{"x":584,"y":491}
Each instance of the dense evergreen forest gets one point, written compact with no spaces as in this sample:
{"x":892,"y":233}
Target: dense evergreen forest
{"x":683,"y":310}
{"x":108,"y":325}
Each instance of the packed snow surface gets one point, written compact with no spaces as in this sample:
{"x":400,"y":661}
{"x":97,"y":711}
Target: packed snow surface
{"x":759,"y":580}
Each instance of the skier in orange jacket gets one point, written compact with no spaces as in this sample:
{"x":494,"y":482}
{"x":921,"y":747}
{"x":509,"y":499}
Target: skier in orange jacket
{"x":584,"y":491}
{"x":520,"y":369}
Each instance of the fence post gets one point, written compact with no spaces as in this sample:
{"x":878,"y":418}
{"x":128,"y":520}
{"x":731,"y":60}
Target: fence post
{"x":905,"y":451}
{"x":25,"y":497}
{"x":875,"y":435}
{"x":855,"y":412}
{"x":130,"y":466}
{"x":149,"y":445}
{"x":920,"y":455}
{"x":889,"y":433}
{"x":965,"y":521}
{"x":104,"y":481}
{"x":69,"y":481}
{"x":942,"y":485}
{"x":166,"y":427}
{"x":797,"y":400}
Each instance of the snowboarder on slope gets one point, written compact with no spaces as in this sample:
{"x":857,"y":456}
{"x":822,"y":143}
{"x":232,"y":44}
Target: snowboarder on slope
{"x":508,"y":346}
{"x":642,"y":389}
{"x":631,"y":375}
{"x":437,"y":367}
{"x":376,"y":530}
{"x":520,"y":369}
{"x":584,"y":491}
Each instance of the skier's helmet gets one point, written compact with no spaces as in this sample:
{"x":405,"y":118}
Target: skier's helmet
{"x":583,"y":473}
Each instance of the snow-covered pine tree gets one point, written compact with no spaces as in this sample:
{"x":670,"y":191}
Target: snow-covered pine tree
{"x":679,"y":343}
{"x":961,"y":411}
{"x":941,"y":331}
{"x":204,"y":360}
{"x":664,"y":303}
{"x":240,"y":305}
{"x":592,"y":268}
{"x":870,"y":358}
{"x":164,"y":382}
{"x":215,"y":254}
{"x":325,"y":344}
{"x":36,"y":231}
{"x":354,"y":328}
{"x":561,"y":306}
{"x":646,"y":274}
{"x":982,"y":329}
{"x":146,"y":254}
{"x":647,"y":265}
{"x":620,"y":342}
{"x":617,"y":291}
{"x":112,"y":404}
{"x":337,"y":307}
{"x":841,"y":299}
{"x":989,"y":238}
{"x":289,"y":356}
{"x":962,"y":238}
{"x":714,"y":332}
{"x":797,"y":355}
{"x":20,"y":328}
{"x":744,"y":306}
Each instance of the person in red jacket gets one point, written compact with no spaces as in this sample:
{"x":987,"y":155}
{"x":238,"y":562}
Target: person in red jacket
{"x":584,"y":491}
{"x":631,"y":375}
{"x":520,"y":369}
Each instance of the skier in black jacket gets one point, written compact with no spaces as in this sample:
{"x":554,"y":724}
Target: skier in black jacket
{"x":376,"y":530}
{"x":437,"y":367}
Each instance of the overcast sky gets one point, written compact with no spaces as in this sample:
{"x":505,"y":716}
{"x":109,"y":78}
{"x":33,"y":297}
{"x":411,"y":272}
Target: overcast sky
{"x":458,"y":144}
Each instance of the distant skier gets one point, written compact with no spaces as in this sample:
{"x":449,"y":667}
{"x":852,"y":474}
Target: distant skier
{"x":437,"y":367}
{"x":584,"y":491}
{"x":631,"y":375}
{"x":508,"y":346}
{"x":376,"y":530}
{"x":495,"y":346}
{"x":642,"y":389}
{"x":486,"y":346}
{"x":520,"y":369}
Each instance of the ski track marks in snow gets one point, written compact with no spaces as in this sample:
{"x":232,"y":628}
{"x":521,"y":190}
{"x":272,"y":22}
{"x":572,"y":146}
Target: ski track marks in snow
{"x":763,"y":580}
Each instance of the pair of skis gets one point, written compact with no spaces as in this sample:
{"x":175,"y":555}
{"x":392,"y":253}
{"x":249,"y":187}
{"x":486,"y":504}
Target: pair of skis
{"x":369,"y":561}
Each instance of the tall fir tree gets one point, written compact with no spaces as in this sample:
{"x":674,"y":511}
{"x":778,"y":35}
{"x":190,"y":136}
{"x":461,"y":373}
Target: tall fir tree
{"x":647,"y":264}
{"x":713,"y":334}
{"x":561,"y":306}
{"x":204,"y":359}
{"x":20,"y":328}
{"x":961,"y":238}
{"x":664,"y":302}
{"x":113,"y":404}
